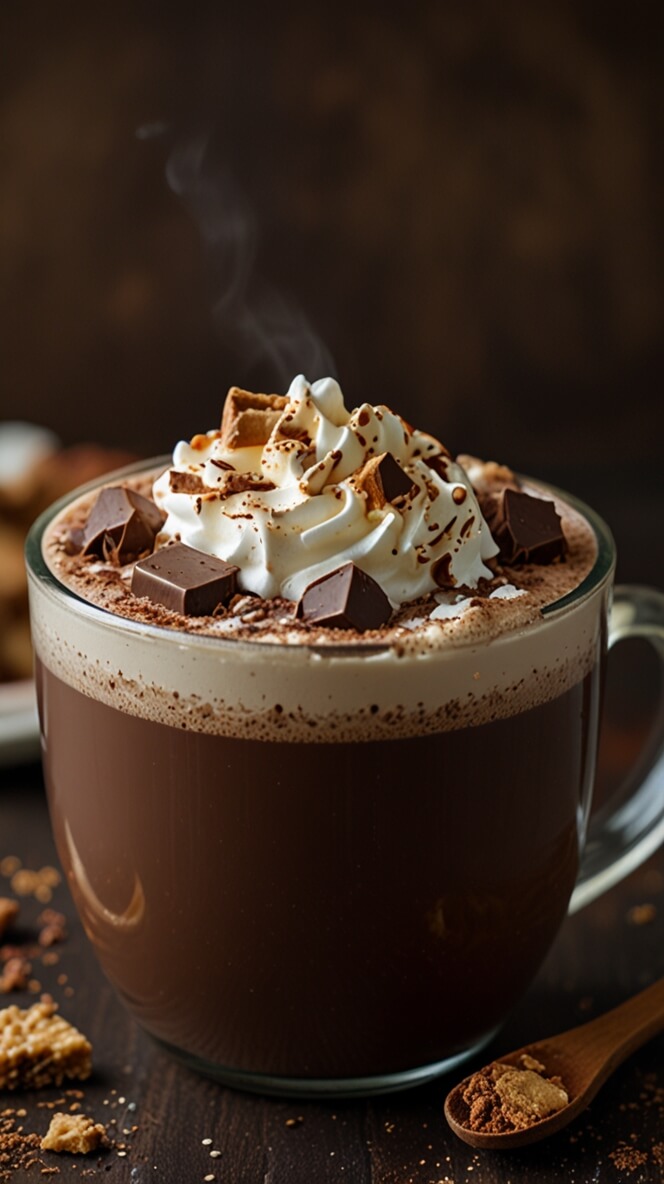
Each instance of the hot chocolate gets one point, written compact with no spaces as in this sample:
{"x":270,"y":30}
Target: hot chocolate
{"x":316,"y":847}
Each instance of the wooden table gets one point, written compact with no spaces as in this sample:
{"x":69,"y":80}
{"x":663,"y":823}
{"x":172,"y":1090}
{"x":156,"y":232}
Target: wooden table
{"x":602,"y":955}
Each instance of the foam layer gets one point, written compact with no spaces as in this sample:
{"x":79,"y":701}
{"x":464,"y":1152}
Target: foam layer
{"x":244,"y":678}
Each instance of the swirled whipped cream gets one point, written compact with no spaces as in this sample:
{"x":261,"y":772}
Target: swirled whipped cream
{"x":294,"y":486}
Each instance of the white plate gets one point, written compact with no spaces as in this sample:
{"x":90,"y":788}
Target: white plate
{"x":19,"y":724}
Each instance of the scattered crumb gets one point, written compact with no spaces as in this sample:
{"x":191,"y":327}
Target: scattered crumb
{"x":26,"y":882}
{"x":641,"y":914}
{"x":18,"y":1150}
{"x":8,"y":913}
{"x":53,"y":927}
{"x":74,"y":1133}
{"x":628,"y":1159}
{"x":15,"y":974}
{"x":38,"y":1048}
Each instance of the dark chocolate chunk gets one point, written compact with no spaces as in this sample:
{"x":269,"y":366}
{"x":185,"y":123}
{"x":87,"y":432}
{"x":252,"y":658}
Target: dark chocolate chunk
{"x":187,"y":581}
{"x":346,"y":598}
{"x":121,"y":525}
{"x":74,"y":541}
{"x":383,"y":480}
{"x":527,"y":529}
{"x":395,"y":482}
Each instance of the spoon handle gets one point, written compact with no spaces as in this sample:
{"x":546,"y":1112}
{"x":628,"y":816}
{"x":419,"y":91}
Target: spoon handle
{"x":612,"y":1037}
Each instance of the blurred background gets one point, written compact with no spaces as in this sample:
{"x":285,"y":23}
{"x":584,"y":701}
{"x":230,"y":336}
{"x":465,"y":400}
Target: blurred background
{"x":452,"y":207}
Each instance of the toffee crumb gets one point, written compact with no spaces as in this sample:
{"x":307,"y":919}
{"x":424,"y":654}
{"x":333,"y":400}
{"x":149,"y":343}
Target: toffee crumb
{"x":502,"y":1098}
{"x":8,"y":913}
{"x":75,"y":1134}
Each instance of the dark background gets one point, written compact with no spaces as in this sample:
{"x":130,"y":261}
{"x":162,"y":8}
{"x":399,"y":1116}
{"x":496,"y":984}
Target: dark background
{"x":450,"y":206}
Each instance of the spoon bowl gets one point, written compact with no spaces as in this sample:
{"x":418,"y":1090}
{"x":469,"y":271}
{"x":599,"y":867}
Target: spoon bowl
{"x":583,"y":1057}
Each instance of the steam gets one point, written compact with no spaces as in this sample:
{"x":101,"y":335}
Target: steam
{"x":264,"y":328}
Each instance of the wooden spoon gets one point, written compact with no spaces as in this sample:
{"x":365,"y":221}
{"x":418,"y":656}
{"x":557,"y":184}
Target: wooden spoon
{"x":582,"y":1057}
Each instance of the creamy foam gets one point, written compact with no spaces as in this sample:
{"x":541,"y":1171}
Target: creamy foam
{"x":497,"y":656}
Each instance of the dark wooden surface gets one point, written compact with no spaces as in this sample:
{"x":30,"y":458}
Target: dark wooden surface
{"x":600,"y":957}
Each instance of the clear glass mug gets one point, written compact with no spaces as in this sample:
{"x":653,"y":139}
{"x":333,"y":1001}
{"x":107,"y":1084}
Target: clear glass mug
{"x":333,"y":871}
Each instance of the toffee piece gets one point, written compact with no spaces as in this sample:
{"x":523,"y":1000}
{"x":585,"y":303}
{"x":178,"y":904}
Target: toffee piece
{"x":184,"y":580}
{"x":248,"y":418}
{"x":75,"y":1134}
{"x":122,"y":524}
{"x":38,"y":1048}
{"x":346,"y":598}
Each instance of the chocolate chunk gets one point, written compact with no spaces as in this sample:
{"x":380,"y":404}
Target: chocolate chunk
{"x":527,"y":529}
{"x":74,"y":540}
{"x":187,"y":581}
{"x":242,"y":482}
{"x":186,"y":482}
{"x":248,"y":418}
{"x":346,"y":598}
{"x":396,"y":483}
{"x":383,"y":480}
{"x":121,"y":525}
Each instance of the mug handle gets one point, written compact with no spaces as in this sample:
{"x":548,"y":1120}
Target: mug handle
{"x":630,"y":827}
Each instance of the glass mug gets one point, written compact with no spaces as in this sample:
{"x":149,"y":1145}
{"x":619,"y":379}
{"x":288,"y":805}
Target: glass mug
{"x":332,"y":871}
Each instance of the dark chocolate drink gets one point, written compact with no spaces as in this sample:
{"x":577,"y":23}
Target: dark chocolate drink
{"x":324,"y":911}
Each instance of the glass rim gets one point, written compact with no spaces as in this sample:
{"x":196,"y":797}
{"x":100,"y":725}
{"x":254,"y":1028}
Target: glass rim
{"x":37,"y":567}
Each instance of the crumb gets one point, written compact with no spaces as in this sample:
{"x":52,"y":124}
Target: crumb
{"x":38,"y":1047}
{"x":15,"y":974}
{"x":27,"y":882}
{"x":8,"y":913}
{"x":641,"y":914}
{"x":628,"y":1159}
{"x":53,"y":927}
{"x":8,"y":865}
{"x":18,"y":1150}
{"x":74,"y":1133}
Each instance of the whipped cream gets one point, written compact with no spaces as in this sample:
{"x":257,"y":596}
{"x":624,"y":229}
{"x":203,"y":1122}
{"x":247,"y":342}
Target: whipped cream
{"x":299,"y":508}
